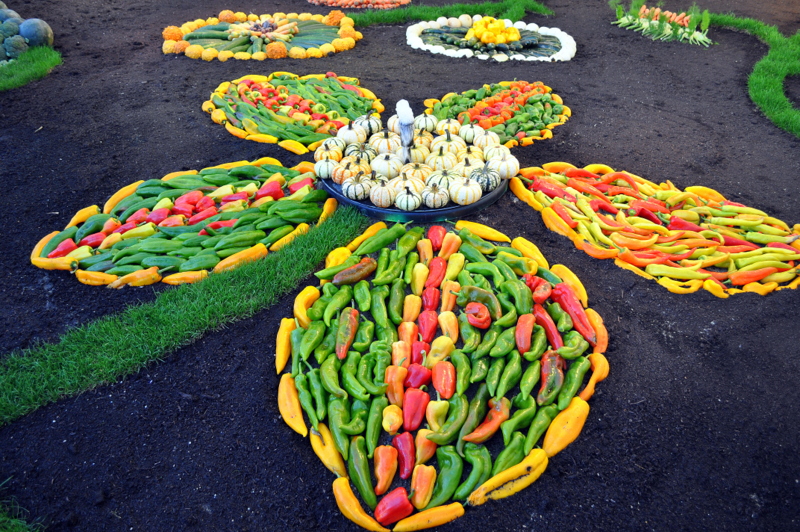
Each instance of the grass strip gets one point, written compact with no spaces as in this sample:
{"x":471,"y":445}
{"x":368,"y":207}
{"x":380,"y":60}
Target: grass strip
{"x":12,"y":516}
{"x":510,"y":9}
{"x":34,"y":64}
{"x":116,"y":345}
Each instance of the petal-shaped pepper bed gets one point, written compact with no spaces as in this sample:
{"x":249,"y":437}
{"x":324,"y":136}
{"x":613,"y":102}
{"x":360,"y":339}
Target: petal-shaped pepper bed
{"x":453,"y":328}
{"x":292,"y":111}
{"x":684,"y":239}
{"x":177,"y":228}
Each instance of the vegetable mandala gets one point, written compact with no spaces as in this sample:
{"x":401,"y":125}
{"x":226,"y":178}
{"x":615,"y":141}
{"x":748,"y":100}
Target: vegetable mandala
{"x":292,"y":111}
{"x":665,"y":25}
{"x":415,"y":362}
{"x":241,"y":36}
{"x":176,"y":228}
{"x":685,"y":239}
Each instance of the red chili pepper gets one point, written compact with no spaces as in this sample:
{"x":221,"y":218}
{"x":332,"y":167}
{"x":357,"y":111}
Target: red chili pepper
{"x":93,"y":240}
{"x":234,"y":197}
{"x":736,"y":249}
{"x":562,"y":213}
{"x":157,"y":216}
{"x":190,"y":198}
{"x":110,"y":225}
{"x":640,"y":259}
{"x":552,"y":375}
{"x":124,"y":227}
{"x":202,"y":215}
{"x":404,"y":443}
{"x":611,"y":190}
{"x":564,"y":296}
{"x":182,"y":210}
{"x":436,"y":235}
{"x":418,"y":376}
{"x":579,"y":173}
{"x":173,"y":221}
{"x":139,"y":216}
{"x":596,"y":205}
{"x":418,"y":350}
{"x":443,"y":376}
{"x":437,"y":267}
{"x":551,"y":190}
{"x":679,"y":224}
{"x":586,"y":188}
{"x":63,"y":249}
{"x":204,"y":203}
{"x":408,"y":331}
{"x":216,"y":225}
{"x":428,"y":323}
{"x":613,"y":176}
{"x":498,"y":412}
{"x":781,"y":245}
{"x":393,"y":507}
{"x":733,"y":241}
{"x":294,"y":187}
{"x":414,"y":404}
{"x":539,"y":287}
{"x":346,"y":333}
{"x":478,"y":315}
{"x":430,"y":298}
{"x":741,"y":278}
{"x":648,"y":215}
{"x":524,"y":332}
{"x":544,"y":320}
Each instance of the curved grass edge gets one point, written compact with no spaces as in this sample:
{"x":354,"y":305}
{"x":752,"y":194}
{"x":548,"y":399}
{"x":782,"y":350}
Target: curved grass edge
{"x":121,"y":344}
{"x":510,"y":9}
{"x":34,"y":64}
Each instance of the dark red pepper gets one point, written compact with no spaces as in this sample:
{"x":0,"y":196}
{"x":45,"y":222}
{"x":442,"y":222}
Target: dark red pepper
{"x":184,"y":210}
{"x":524,"y":332}
{"x":204,"y":203}
{"x":444,"y":378}
{"x":157,"y":216}
{"x":551,"y":190}
{"x":294,"y":187}
{"x":552,"y":376}
{"x":139,"y":216}
{"x":428,"y":321}
{"x":63,"y":249}
{"x":346,"y":333}
{"x":417,"y":376}
{"x":418,"y":351}
{"x":478,"y":315}
{"x":353,"y":274}
{"x":190,"y":198}
{"x":234,"y":197}
{"x":679,"y":224}
{"x":733,"y":241}
{"x":216,"y":225}
{"x":92,"y":240}
{"x":415,"y":402}
{"x":437,"y":269}
{"x":125,"y":227}
{"x":539,"y":287}
{"x":404,"y":443}
{"x":436,"y":236}
{"x":393,"y":507}
{"x":430,"y":298}
{"x":564,"y":296}
{"x":647,"y":214}
{"x":202,"y":215}
{"x":272,"y":189}
{"x":544,"y":320}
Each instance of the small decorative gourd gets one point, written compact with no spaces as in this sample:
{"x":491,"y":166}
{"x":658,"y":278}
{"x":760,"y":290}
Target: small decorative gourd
{"x":487,"y":178}
{"x":357,"y":187}
{"x":465,"y":191}
{"x":507,"y":166}
{"x":387,"y":165}
{"x":324,"y":168}
{"x":361,"y":149}
{"x":417,"y":154}
{"x":422,"y":137}
{"x":435,"y":197}
{"x":385,"y":142}
{"x":469,"y":132}
{"x":426,"y":122}
{"x":466,"y":166}
{"x":473,"y":152}
{"x":450,"y":142}
{"x":343,"y":171}
{"x":489,"y":138}
{"x":441,"y":159}
{"x":418,"y":170}
{"x":448,"y":124}
{"x":371,"y":123}
{"x":442,"y":178}
{"x":352,"y":134}
{"x":334,"y":142}
{"x":496,"y":151}
{"x":393,"y":124}
{"x":408,"y":200}
{"x":382,"y":195}
{"x":328,"y":152}
{"x":404,"y":181}
{"x":357,"y":160}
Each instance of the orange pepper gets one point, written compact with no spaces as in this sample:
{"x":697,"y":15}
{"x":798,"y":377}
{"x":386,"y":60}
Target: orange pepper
{"x":599,"y":372}
{"x":302,"y":303}
{"x":138,"y":278}
{"x":422,"y":481}
{"x":411,"y":307}
{"x":450,"y":291}
{"x":256,"y":252}
{"x":95,"y":278}
{"x":185,"y":277}
{"x":395,"y":377}
{"x":450,"y":245}
{"x":425,"y":250}
{"x":408,"y":332}
{"x":385,"y":457}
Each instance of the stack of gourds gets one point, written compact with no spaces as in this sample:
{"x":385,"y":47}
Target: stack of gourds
{"x":453,"y":328}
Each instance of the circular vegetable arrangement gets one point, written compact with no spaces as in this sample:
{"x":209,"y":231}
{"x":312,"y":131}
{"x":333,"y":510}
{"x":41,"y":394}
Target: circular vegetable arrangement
{"x":292,"y":111}
{"x":240,"y":36}
{"x":18,"y":34}
{"x":685,"y":239}
{"x":436,"y":314}
{"x":519,"y":112}
{"x":187,"y":223}
{"x":490,"y":38}
{"x":361,"y":4}
{"x":449,"y":165}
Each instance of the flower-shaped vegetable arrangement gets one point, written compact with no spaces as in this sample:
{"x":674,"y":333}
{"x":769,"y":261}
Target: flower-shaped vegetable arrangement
{"x":490,"y":38}
{"x":292,"y":111}
{"x":519,"y":112}
{"x":240,"y":36}
{"x":448,"y":163}
{"x":447,"y":328}
{"x":685,"y":239}
{"x":361,"y":4}
{"x":176,"y":228}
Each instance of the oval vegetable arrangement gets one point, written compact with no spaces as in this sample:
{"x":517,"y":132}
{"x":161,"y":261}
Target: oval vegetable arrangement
{"x":187,"y":223}
{"x":289,"y":110}
{"x":241,"y":36}
{"x":519,"y":112}
{"x":685,"y":239}
{"x":448,"y":328}
{"x":449,"y":164}
{"x":490,"y":38}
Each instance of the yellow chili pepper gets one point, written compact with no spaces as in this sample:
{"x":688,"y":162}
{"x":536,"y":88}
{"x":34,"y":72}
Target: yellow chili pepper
{"x":259,"y":251}
{"x":638,"y":271}
{"x":173,"y":175}
{"x":371,"y":231}
{"x":137,"y":278}
{"x":95,"y":278}
{"x":337,"y":256}
{"x":448,"y":322}
{"x":283,"y":344}
{"x":512,"y":480}
{"x":423,"y":479}
{"x":530,"y":250}
{"x":110,"y":240}
{"x":525,"y":195}
{"x":482,"y":231}
{"x":412,"y":305}
{"x":425,"y":250}
{"x":572,"y":281}
{"x":715,"y":288}
{"x":301,"y":229}
{"x":83,"y":215}
{"x":351,"y":508}
{"x":392,"y":420}
{"x":419,"y":274}
{"x":601,"y":169}
{"x":81,"y":253}
{"x":454,"y":266}
{"x":119,"y":195}
{"x":302,"y":303}
{"x":142,"y":231}
{"x":61,"y":263}
{"x":599,"y":372}
{"x":289,"y":405}
{"x":37,"y":249}
{"x":430,"y":518}
{"x":677,"y":287}
{"x":554,"y":222}
{"x":706,"y":193}
{"x":235,"y":131}
{"x":450,"y":244}
{"x":185,"y":277}
{"x":324,"y":448}
{"x":450,"y":291}
{"x":760,"y":288}
{"x":328,"y":208}
{"x":441,"y":347}
{"x":566,"y":426}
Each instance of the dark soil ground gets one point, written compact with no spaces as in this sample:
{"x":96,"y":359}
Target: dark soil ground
{"x":696,"y":428}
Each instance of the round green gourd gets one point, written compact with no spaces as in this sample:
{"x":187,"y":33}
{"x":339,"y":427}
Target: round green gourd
{"x":37,"y":31}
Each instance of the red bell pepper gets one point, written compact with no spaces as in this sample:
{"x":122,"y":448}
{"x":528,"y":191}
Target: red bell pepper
{"x":139,"y":216}
{"x":93,"y":240}
{"x":393,"y":507}
{"x":63,"y":249}
{"x":428,"y":324}
{"x":204,"y":203}
{"x":202,"y":215}
{"x":272,"y":189}
{"x":418,"y":376}
{"x":544,"y":320}
{"x":436,"y":235}
{"x":524,"y":332}
{"x":294,"y":187}
{"x":437,"y":269}
{"x":216,"y":225}
{"x":385,"y":467}
{"x":190,"y":198}
{"x":404,"y":443}
{"x":443,"y":376}
{"x":478,"y":315}
{"x":498,"y":412}
{"x":430,"y":298}
{"x":539,"y":287}
{"x":418,"y":351}
{"x":346,"y":333}
{"x":564,"y":296}
{"x":234,"y":197}
{"x":157,"y":216}
{"x":173,"y":221}
{"x":183,"y":210}
{"x":414,"y":404}
{"x":124,"y":227}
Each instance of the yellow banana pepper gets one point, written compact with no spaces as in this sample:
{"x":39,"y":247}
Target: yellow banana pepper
{"x":566,"y":426}
{"x":351,"y":508}
{"x":302,"y":303}
{"x":482,"y":231}
{"x":324,"y":448}
{"x":289,"y":405}
{"x":512,"y":480}
{"x":283,"y":344}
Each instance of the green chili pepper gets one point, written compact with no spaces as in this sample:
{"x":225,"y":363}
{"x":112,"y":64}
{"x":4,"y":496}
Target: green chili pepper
{"x":328,"y":273}
{"x":475,"y":414}
{"x":329,"y":375}
{"x":504,"y":344}
{"x":364,"y":335}
{"x":560,"y":316}
{"x":396,"y":300}
{"x":358,"y":468}
{"x":481,"y":460}
{"x":349,"y":380}
{"x":374,"y":419}
{"x":470,"y":336}
{"x":387,"y":334}
{"x":505,"y":270}
{"x":450,"y":468}
{"x":383,"y":359}
{"x":484,"y":246}
{"x":479,"y":370}
{"x":517,"y":264}
{"x":327,"y":346}
{"x":319,"y":393}
{"x":511,"y":455}
{"x":381,"y":240}
{"x":383,"y":261}
{"x":510,"y":317}
{"x":463,"y":370}
{"x":379,"y":345}
{"x":529,"y":379}
{"x":511,"y":376}
{"x":486,"y":269}
{"x":306,"y":400}
{"x":411,"y":261}
{"x":338,"y":415}
{"x":378,"y":297}
{"x":295,"y":340}
{"x":358,"y":418}
{"x":552,"y":378}
{"x":548,"y":276}
{"x":409,"y":241}
{"x":538,"y":344}
{"x":393,"y":271}
{"x":574,"y":345}
{"x":337,"y":303}
{"x":521,"y":420}
{"x":494,"y":374}
{"x":316,"y":310}
{"x":329,"y":290}
{"x":313,"y":336}
{"x":361,"y":295}
{"x":510,"y":250}
{"x":471,"y":253}
{"x":539,"y":425}
{"x":481,"y":282}
{"x":489,"y":339}
{"x":456,"y":416}
{"x":364,"y":375}
{"x":520,"y":293}
{"x":465,"y":279}
{"x":468,"y":294}
{"x":572,"y":381}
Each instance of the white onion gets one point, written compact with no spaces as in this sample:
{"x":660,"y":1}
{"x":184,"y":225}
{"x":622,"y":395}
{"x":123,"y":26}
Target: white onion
{"x":453,"y":22}
{"x":466,"y":21}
